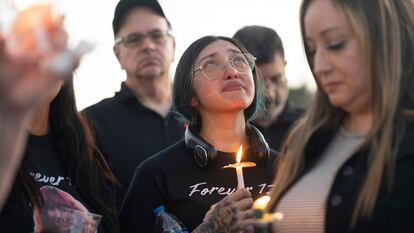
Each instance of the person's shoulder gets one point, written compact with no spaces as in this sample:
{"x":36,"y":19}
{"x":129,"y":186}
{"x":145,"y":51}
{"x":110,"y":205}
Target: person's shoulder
{"x":294,"y":108}
{"x":102,"y":105}
{"x":273,"y":155}
{"x":170,"y":155}
{"x":271,"y":163}
{"x":292,"y":111}
{"x":408,"y":137}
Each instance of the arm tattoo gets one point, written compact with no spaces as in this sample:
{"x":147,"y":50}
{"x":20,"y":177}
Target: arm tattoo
{"x":222,"y":220}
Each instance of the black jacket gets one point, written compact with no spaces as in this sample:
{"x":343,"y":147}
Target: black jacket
{"x":276,"y":133}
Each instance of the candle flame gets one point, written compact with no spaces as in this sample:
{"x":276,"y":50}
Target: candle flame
{"x":261,"y":203}
{"x":22,"y":4}
{"x":239,"y":154}
{"x":278,"y":215}
{"x":33,"y":29}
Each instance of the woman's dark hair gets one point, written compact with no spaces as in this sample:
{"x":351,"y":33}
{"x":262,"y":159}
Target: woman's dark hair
{"x":183,"y":90}
{"x":82,"y":161}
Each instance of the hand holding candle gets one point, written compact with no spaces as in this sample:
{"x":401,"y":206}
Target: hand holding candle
{"x":37,"y":32}
{"x":34,"y":56}
{"x":35,"y":29}
{"x":239,"y":167}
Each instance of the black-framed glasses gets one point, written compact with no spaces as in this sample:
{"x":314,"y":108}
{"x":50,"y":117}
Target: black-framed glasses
{"x":136,"y":39}
{"x":215,"y":68}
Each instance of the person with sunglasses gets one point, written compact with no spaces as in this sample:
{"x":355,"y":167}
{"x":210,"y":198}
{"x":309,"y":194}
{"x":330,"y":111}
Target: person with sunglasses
{"x":217,"y":89}
{"x":137,"y":122}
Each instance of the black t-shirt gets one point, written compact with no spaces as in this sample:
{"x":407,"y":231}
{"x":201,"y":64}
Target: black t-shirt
{"x":128,"y":133}
{"x":172,"y":178}
{"x":276,"y":133}
{"x":46,"y":168}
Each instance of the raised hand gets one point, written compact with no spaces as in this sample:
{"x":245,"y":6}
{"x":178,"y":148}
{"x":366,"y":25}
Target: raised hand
{"x":23,"y":83}
{"x":26,"y":79}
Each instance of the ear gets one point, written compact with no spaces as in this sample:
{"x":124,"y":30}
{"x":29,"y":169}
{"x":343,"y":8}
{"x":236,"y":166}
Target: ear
{"x":173,"y":48}
{"x":115,"y":48}
{"x":194,"y":102}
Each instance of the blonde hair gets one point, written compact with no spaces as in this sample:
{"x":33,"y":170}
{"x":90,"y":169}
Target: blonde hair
{"x":385,"y":29}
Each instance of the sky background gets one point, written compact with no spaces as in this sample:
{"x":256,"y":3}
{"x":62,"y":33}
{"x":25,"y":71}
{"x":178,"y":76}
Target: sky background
{"x":99,"y":74}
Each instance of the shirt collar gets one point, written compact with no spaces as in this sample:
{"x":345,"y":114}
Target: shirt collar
{"x":126,"y":94}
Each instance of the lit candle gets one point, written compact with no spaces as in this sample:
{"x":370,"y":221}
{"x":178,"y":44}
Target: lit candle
{"x":262,"y":220}
{"x":261,"y":202}
{"x":262,"y":217}
{"x":36,"y":30}
{"x":33,"y":29}
{"x":239,"y":167}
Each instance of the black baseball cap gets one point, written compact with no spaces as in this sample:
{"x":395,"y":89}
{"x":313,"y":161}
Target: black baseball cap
{"x":125,"y":6}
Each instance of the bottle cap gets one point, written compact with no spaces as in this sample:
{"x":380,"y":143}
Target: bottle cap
{"x":158,"y":210}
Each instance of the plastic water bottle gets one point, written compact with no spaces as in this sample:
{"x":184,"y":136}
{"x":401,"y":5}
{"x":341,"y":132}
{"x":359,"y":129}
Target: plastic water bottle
{"x":166,"y":222}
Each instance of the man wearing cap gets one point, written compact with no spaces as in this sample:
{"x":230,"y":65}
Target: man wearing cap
{"x":265,"y":44}
{"x":137,"y":122}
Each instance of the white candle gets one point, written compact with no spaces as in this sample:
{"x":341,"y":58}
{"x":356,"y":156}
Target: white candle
{"x":240,"y":179}
{"x":239,"y":167}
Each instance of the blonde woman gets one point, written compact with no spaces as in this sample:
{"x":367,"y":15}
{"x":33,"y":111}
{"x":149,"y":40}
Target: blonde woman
{"x":348,"y":165}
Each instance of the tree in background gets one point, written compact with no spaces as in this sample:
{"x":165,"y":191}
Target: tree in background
{"x":301,"y":96}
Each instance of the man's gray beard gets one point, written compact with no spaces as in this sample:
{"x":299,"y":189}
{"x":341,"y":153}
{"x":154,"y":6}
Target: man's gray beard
{"x":150,"y":76}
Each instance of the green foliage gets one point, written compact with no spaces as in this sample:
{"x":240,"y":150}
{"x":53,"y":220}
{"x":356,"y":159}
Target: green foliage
{"x":301,"y":96}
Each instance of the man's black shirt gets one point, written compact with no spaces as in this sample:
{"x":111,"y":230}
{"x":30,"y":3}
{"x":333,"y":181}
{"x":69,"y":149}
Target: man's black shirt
{"x":276,"y":132}
{"x":128,"y":133}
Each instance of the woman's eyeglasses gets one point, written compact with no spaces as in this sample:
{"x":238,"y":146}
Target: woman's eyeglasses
{"x":216,"y":68}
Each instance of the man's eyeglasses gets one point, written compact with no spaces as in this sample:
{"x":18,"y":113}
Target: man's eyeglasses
{"x":136,"y":39}
{"x":216,"y":68}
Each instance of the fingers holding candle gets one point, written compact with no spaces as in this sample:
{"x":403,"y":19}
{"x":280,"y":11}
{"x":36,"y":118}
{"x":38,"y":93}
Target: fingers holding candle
{"x":239,"y":195}
{"x":229,"y":215}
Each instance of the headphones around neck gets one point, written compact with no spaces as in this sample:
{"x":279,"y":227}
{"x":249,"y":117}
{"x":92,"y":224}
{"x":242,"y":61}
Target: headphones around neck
{"x":205,"y":155}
